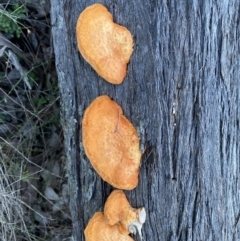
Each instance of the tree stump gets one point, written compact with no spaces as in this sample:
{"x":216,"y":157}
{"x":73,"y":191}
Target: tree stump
{"x":182,"y":92}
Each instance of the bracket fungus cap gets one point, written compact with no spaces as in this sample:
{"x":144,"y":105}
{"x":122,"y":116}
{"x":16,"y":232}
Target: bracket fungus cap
{"x":105,"y":45}
{"x":99,"y":230}
{"x":117,"y":210}
{"x":111,"y":143}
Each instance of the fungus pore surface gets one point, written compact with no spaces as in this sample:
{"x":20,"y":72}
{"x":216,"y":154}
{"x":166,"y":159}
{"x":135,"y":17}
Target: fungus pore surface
{"x":106,"y":46}
{"x":111,"y":143}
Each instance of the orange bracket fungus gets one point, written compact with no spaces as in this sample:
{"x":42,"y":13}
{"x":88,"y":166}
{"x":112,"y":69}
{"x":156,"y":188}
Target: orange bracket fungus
{"x":117,"y":221}
{"x":111,"y":143}
{"x":99,"y":230}
{"x":106,"y":46}
{"x":117,"y":210}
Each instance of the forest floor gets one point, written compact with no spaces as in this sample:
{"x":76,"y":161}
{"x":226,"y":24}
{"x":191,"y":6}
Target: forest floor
{"x":33,"y":178}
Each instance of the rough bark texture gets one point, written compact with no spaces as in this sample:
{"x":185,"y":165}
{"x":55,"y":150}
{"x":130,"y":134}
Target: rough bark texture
{"x":182,"y":92}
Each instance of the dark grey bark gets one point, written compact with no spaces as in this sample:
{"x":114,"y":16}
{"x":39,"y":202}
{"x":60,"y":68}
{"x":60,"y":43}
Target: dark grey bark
{"x":182,"y":92}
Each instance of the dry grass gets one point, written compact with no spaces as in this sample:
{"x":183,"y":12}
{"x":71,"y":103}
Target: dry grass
{"x":24,"y":156}
{"x":12,"y":214}
{"x":30,"y":135}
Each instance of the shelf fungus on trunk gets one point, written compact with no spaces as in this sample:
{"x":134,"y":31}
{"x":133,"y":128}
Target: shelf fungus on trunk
{"x":111,"y":143}
{"x":105,"y":45}
{"x":117,"y":221}
{"x":99,"y":230}
{"x":117,"y":210}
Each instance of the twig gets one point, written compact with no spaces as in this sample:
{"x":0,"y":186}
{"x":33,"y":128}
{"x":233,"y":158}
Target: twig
{"x":19,"y":104}
{"x":27,"y":159}
{"x":18,"y":66}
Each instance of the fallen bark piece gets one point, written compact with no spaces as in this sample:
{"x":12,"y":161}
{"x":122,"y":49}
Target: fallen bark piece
{"x":106,"y":46}
{"x":111,"y":143}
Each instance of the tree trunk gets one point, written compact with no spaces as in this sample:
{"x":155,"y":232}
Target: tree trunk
{"x":182,"y":92}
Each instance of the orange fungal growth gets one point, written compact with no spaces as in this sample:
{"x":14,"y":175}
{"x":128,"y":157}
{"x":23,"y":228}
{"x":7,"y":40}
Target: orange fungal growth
{"x":111,"y":143}
{"x":99,"y":230}
{"x":117,"y":210}
{"x":106,"y":46}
